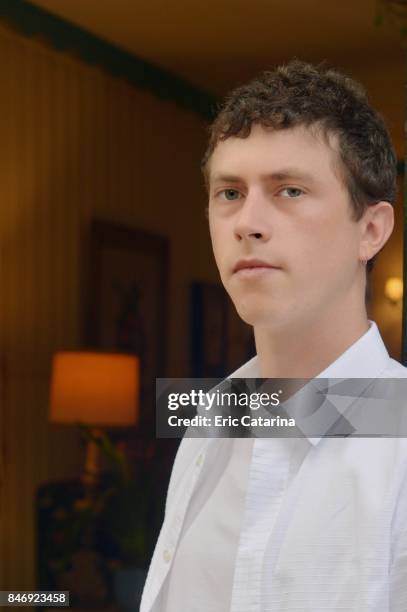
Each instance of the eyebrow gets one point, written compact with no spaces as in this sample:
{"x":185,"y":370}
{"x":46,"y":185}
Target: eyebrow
{"x":279,"y":175}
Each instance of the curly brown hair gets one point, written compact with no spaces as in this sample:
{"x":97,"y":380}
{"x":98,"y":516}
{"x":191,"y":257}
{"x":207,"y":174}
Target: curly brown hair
{"x":300,"y":93}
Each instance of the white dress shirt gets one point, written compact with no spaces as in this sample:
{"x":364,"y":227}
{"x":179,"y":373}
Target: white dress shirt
{"x":287,"y":524}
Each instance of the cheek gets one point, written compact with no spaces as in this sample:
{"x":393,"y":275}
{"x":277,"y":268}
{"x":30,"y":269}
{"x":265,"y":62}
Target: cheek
{"x":219,"y":237}
{"x":213,"y":227}
{"x":218,"y":246}
{"x":214,"y":239}
{"x":327,"y":239}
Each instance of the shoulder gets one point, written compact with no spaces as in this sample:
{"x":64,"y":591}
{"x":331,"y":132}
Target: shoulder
{"x":395,"y":369}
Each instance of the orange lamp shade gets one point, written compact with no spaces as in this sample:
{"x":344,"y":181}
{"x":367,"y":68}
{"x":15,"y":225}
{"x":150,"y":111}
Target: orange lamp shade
{"x":95,"y":388}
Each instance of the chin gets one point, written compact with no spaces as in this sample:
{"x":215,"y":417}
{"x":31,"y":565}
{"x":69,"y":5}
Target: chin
{"x":257,"y":314}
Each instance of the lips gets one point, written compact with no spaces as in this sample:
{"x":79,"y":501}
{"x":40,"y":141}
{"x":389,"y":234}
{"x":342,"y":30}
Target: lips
{"x":248,"y":264}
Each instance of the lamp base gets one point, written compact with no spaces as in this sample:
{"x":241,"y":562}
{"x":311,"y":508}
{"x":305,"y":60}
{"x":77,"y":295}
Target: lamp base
{"x":91,"y":474}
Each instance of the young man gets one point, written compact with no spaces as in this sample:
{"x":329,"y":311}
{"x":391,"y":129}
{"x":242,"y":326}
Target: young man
{"x":301,"y":176}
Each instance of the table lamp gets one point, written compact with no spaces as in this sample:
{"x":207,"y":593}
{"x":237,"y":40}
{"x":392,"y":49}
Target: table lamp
{"x":393,"y":289}
{"x":96,"y":389}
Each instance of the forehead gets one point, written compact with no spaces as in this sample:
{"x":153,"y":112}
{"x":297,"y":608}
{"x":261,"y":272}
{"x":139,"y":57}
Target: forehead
{"x":267,"y":151}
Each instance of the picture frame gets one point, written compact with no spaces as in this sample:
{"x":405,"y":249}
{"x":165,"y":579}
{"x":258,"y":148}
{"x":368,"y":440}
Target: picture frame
{"x":126,"y":298}
{"x":220,"y":340}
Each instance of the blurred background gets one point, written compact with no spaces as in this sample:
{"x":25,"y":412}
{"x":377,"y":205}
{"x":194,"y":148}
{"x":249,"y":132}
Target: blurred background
{"x":107,"y":277}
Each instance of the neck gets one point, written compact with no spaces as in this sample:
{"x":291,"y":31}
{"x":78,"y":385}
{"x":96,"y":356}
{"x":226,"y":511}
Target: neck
{"x":304,"y":352}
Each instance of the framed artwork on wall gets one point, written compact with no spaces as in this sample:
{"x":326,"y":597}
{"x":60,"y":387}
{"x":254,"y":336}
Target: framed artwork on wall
{"x":126,"y":299}
{"x":220,"y":340}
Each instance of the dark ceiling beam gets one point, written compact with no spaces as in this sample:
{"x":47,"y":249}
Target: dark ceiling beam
{"x":32,"y":21}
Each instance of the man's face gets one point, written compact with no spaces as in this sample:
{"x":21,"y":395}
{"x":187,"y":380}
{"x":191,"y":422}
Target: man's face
{"x":276,"y":197}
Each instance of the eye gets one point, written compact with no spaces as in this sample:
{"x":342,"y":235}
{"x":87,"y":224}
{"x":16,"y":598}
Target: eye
{"x":293,"y":192}
{"x":229,"y":194}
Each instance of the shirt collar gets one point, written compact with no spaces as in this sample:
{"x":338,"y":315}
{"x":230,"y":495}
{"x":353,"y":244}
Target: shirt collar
{"x":366,"y":358}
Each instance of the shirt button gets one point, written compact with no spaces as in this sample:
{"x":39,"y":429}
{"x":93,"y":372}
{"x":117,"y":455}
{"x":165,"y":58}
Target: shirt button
{"x":167,"y":555}
{"x":199,"y":460}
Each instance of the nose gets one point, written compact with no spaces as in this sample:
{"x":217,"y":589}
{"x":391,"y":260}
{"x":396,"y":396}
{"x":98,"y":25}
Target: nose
{"x":253,"y":219}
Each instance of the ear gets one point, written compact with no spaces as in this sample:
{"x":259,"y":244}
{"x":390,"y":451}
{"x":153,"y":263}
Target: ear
{"x":376,"y":227}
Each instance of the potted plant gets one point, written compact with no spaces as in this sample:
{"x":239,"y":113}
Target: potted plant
{"x":122,"y":504}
